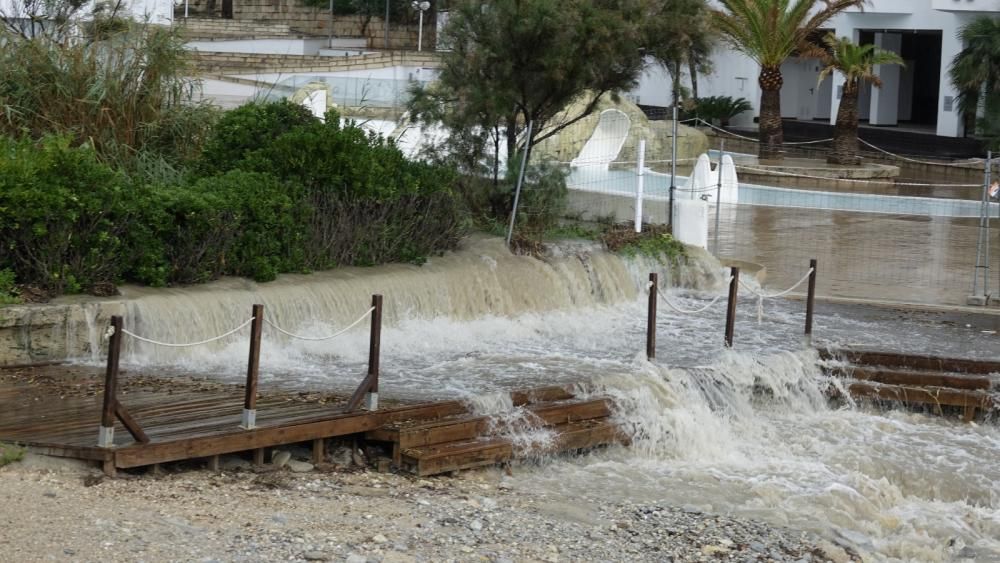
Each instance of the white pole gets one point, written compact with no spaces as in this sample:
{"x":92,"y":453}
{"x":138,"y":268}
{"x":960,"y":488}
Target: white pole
{"x":185,"y":9}
{"x":718,"y":196}
{"x":640,"y":166}
{"x":420,"y":32}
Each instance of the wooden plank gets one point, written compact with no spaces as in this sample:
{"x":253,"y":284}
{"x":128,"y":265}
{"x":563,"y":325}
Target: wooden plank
{"x":241,"y":440}
{"x":466,"y":456}
{"x":130,"y":424}
{"x":920,"y":378}
{"x":913,"y":361}
{"x":923,"y":395}
{"x":463,"y":429}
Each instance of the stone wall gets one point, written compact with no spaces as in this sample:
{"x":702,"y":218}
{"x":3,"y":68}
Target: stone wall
{"x":53,"y":332}
{"x":212,"y":28}
{"x":243,"y":63}
{"x":316,"y":21}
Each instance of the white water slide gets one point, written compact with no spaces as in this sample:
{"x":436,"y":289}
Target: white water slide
{"x":606,"y":141}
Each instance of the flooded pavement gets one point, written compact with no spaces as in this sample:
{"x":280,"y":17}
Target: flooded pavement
{"x":871,"y":256}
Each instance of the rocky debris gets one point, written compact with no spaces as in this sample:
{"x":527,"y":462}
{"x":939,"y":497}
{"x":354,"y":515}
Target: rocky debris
{"x":362,"y":516}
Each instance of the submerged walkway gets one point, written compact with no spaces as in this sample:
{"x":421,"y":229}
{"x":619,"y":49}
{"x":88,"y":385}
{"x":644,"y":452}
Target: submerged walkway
{"x":56,"y":410}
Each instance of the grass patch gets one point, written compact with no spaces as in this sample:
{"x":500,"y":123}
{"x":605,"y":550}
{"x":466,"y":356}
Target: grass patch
{"x":8,"y":291}
{"x":10,"y":453}
{"x":654,"y":241}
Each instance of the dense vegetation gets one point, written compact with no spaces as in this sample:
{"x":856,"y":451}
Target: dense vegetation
{"x":274,"y":190}
{"x":111,"y":172}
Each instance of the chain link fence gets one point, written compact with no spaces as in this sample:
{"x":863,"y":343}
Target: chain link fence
{"x":897,"y":229}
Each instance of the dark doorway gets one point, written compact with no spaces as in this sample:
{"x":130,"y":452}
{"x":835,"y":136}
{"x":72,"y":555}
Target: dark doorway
{"x":227,"y":9}
{"x":920,"y":81}
{"x":922,"y":51}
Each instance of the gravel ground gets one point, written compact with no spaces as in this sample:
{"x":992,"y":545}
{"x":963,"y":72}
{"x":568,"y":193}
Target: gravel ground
{"x":60,"y":510}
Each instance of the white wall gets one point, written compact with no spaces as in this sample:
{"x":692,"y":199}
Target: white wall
{"x":946,"y":16}
{"x":268,"y":46}
{"x":155,"y":11}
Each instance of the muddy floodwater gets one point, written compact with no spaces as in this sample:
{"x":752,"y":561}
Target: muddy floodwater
{"x":745,"y":431}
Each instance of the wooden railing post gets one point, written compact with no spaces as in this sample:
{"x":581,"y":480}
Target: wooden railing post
{"x":374,"y":347}
{"x":734,"y":286}
{"x":810,"y":302}
{"x":106,"y":434}
{"x":651,"y":317}
{"x":249,"y":418}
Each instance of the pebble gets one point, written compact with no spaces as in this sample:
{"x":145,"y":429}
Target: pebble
{"x":280,"y":458}
{"x":287,"y":516}
{"x":299,"y":466}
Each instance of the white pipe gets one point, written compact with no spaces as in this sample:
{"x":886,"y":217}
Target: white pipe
{"x":640,"y":165}
{"x":420,"y":32}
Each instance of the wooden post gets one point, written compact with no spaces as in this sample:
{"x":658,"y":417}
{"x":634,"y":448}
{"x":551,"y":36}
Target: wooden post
{"x":106,"y":434}
{"x":318,"y":451}
{"x":651,"y":317}
{"x":734,"y":286}
{"x":810,"y":302}
{"x":249,"y":419}
{"x":374,"y":347}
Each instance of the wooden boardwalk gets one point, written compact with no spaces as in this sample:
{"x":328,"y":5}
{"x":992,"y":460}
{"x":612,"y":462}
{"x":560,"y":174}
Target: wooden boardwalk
{"x":60,"y":413}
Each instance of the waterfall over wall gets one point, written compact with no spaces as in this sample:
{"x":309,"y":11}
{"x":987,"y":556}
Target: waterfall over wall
{"x":481,"y":279}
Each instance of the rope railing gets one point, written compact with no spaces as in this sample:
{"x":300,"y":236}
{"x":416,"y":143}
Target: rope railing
{"x":666,"y":301}
{"x":364,"y":315}
{"x":761,"y":296}
{"x":887,"y":181}
{"x":111,"y":332}
{"x":908,"y":159}
{"x":753,"y":140}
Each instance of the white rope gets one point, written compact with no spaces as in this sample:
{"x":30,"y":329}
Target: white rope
{"x":855,"y":180}
{"x":751,"y":139}
{"x":663,"y":297}
{"x":319,"y":338}
{"x":901,"y":157}
{"x":761,"y":296}
{"x":189,"y":344}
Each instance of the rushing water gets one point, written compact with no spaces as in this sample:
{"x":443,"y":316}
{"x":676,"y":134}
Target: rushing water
{"x":746,"y":431}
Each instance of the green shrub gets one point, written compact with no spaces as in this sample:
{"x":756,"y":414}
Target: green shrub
{"x":543,"y":196}
{"x":115,"y":93}
{"x":8,"y":290}
{"x":9,"y":453}
{"x":366,"y":202}
{"x":252,"y":126}
{"x":721,"y":108}
{"x":237,"y":223}
{"x":63,"y":215}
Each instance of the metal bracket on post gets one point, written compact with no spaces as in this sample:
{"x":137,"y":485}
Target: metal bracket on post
{"x":249,"y":419}
{"x":106,"y":437}
{"x":371,"y":401}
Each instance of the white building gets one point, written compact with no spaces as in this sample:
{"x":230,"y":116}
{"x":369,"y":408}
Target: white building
{"x":923,"y":32}
{"x":159,"y":12}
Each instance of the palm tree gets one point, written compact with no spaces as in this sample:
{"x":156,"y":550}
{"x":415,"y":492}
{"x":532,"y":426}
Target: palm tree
{"x":769,"y":31}
{"x":681,"y":36}
{"x":857,"y":64}
{"x":975,"y":70}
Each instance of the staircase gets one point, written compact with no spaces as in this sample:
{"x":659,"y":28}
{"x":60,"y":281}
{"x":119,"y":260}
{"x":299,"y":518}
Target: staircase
{"x":969,"y":386}
{"x":543,"y":421}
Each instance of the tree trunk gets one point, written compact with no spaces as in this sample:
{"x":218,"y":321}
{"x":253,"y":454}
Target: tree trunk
{"x":772,"y":136}
{"x":693,"y":70}
{"x":845,"y":132}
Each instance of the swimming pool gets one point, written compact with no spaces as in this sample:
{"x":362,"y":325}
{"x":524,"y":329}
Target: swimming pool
{"x":657,"y":186}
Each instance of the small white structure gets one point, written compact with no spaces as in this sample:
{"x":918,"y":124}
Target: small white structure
{"x":691,"y":222}
{"x":701,"y":181}
{"x":315,"y":102}
{"x":606,"y":141}
{"x":730,"y":183}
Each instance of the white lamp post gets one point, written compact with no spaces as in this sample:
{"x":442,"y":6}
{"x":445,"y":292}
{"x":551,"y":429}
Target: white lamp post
{"x":420,"y":7}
